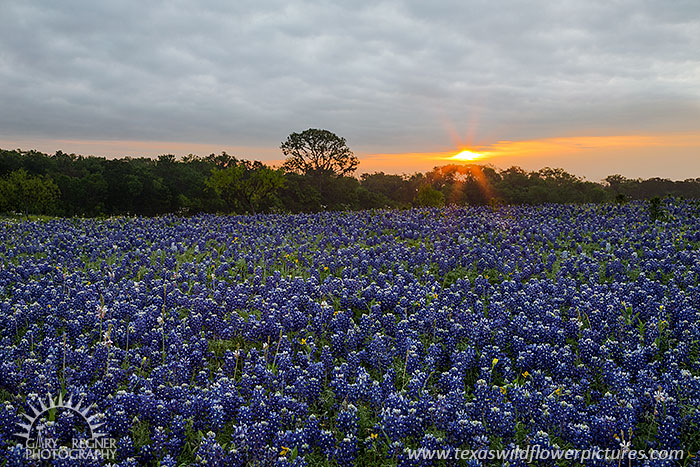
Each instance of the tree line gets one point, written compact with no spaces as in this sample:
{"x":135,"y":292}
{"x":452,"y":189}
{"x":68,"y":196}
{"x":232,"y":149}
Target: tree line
{"x":316,"y":175}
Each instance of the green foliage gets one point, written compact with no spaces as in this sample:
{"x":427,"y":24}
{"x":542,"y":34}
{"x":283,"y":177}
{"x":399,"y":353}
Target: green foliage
{"x":317,"y":178}
{"x":396,"y":190}
{"x":141,"y":433}
{"x":246,"y":187}
{"x":300,"y":194}
{"x":654,"y":208}
{"x":429,"y":197}
{"x":28,"y":194}
{"x":652,"y":187}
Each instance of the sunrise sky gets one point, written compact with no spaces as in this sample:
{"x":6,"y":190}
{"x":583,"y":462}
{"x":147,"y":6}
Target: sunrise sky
{"x":594,"y":87}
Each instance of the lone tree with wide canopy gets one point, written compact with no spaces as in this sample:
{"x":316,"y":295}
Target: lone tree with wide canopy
{"x":319,"y":153}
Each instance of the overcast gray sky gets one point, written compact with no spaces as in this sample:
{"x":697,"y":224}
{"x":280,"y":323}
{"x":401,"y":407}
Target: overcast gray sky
{"x":415,"y":77}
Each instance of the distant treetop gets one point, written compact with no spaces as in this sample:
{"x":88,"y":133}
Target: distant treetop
{"x":318,"y":152}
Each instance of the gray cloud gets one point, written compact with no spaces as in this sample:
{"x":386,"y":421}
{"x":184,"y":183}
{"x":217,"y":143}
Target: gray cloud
{"x":389,"y":76}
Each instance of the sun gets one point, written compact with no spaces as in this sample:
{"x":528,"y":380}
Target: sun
{"x":467,"y":156}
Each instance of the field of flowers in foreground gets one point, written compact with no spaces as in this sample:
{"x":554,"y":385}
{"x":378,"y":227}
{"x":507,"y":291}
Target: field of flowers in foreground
{"x":344,"y":338}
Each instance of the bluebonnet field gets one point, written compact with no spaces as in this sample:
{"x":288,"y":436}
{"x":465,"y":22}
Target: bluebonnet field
{"x":343,"y":338}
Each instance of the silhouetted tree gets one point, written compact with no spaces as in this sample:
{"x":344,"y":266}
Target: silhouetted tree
{"x":318,"y":153}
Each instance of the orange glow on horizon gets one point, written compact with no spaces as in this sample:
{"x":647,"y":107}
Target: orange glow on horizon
{"x":575,"y":153}
{"x":467,"y":156}
{"x":671,"y":155}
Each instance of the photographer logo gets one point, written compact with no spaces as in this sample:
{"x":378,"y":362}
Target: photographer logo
{"x":40,"y":446}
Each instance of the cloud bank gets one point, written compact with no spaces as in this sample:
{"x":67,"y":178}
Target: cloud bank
{"x":395,"y":76}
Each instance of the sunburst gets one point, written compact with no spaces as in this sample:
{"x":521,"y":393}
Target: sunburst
{"x":58,"y":403}
{"x":467,"y":156}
